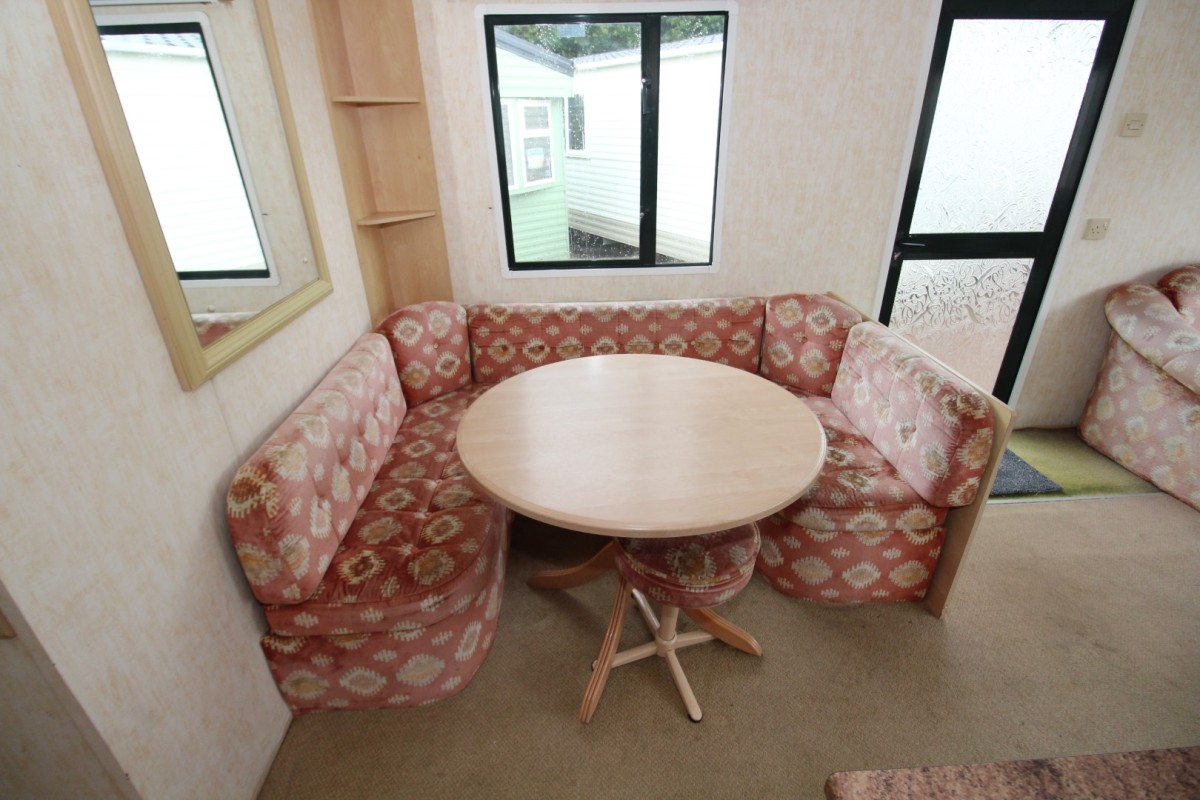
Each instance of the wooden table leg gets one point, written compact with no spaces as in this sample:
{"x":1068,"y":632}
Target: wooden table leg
{"x":578,"y":575}
{"x":612,"y":638}
{"x":726,"y":631}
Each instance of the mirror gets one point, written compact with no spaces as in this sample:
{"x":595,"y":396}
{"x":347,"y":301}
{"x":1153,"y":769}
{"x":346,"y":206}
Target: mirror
{"x":191,"y":119}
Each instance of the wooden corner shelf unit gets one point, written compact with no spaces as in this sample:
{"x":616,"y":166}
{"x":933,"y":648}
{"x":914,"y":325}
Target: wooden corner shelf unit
{"x":371,"y":69}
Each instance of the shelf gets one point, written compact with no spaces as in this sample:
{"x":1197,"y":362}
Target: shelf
{"x":373,"y":100}
{"x":389,"y":217}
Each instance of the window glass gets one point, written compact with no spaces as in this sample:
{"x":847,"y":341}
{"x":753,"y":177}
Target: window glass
{"x":642,"y":191}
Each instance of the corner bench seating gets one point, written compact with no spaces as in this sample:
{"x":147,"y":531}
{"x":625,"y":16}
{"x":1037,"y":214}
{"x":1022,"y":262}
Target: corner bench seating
{"x":380,"y":564}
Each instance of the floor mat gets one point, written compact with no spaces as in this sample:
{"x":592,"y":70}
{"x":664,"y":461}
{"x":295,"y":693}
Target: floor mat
{"x":1017,"y":477}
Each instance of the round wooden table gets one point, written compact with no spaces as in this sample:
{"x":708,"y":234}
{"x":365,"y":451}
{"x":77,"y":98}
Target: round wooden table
{"x":641,"y":446}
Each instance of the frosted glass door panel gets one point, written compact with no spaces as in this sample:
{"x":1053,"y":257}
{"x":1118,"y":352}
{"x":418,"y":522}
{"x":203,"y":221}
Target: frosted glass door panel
{"x":961,"y":311}
{"x":1006,"y":109}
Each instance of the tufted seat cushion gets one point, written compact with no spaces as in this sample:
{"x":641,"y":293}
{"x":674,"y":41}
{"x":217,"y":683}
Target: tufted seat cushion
{"x":507,"y":339}
{"x":422,"y":542}
{"x":690,"y":571}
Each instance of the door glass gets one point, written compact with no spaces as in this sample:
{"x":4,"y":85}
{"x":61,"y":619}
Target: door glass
{"x":961,"y":311}
{"x":1006,"y":109}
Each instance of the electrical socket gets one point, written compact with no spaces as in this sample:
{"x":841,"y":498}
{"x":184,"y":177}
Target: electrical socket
{"x":1095,"y":229}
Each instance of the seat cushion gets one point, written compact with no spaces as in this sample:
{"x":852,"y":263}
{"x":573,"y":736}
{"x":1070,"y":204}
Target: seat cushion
{"x":690,"y":571}
{"x":421,"y":542}
{"x":857,"y":489}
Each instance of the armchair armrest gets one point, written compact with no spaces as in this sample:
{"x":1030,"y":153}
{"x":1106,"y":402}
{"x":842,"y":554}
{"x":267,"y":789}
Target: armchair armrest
{"x":1150,"y":324}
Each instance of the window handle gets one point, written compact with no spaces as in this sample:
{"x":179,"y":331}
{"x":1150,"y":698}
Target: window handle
{"x":645,"y":96}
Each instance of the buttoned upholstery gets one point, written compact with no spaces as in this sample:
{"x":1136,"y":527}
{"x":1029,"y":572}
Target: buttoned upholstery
{"x":906,"y":440}
{"x":429,"y":342}
{"x":1144,"y":411}
{"x":379,"y":563}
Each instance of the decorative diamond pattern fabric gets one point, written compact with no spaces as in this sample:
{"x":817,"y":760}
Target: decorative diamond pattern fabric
{"x":507,"y":339}
{"x":1144,"y":412}
{"x":429,"y":341}
{"x":804,"y":336}
{"x":292,"y":502}
{"x":690,"y":571}
{"x":931,"y":426}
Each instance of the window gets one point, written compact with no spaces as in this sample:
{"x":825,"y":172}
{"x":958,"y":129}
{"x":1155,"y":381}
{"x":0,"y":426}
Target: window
{"x":172,"y":93}
{"x":640,"y":95}
{"x":576,"y":138}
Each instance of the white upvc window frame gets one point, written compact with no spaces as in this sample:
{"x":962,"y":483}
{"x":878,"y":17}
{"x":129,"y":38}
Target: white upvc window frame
{"x":527,"y":133}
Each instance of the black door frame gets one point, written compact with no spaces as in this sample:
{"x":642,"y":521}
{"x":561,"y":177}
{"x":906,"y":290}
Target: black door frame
{"x":1043,"y":246}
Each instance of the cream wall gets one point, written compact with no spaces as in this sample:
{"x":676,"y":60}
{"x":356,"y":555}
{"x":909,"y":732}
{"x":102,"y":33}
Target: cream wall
{"x":824,"y":100}
{"x":113,"y":545}
{"x":1148,"y":187}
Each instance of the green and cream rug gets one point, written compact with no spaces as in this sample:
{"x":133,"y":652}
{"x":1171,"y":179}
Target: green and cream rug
{"x":1060,"y":455}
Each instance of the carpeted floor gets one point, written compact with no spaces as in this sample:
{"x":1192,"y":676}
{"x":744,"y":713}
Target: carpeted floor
{"x":1062,"y":457}
{"x":1073,"y":631}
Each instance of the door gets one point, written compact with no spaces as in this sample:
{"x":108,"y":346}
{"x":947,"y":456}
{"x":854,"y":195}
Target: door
{"x":1015,"y":90}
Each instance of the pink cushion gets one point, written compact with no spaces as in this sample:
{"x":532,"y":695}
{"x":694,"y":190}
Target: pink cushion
{"x":928,"y":423}
{"x":507,"y":339}
{"x":857,"y":489}
{"x":292,"y":502}
{"x":690,"y":571}
{"x":804,"y":338}
{"x":1146,"y":421}
{"x":1182,"y":288}
{"x":429,"y":341}
{"x":1151,"y":324}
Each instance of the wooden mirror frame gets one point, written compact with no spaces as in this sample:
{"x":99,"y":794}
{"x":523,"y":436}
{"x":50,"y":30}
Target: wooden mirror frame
{"x":88,"y":65}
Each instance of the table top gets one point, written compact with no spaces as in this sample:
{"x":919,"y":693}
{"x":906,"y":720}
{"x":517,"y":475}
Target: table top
{"x":641,"y":445}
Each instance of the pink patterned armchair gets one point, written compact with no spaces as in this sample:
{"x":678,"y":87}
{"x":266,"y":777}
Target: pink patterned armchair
{"x":1144,"y":412}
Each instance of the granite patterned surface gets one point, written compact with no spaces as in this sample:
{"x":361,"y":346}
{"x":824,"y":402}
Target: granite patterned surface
{"x":1143,"y":775}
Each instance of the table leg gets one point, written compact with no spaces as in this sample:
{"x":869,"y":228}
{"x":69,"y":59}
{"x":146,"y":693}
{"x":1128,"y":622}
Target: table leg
{"x":578,"y":575}
{"x":726,"y":631}
{"x":604,"y":661}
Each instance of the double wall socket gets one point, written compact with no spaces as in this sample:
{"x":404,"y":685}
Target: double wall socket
{"x":1095,"y":229}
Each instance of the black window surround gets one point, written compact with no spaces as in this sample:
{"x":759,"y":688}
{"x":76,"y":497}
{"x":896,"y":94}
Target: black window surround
{"x":576,"y":143}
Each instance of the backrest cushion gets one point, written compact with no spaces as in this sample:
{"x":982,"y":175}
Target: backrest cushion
{"x":291,"y":503}
{"x":507,"y":339}
{"x":929,"y":424}
{"x":1182,"y":287}
{"x":429,"y":341}
{"x":803,"y":340}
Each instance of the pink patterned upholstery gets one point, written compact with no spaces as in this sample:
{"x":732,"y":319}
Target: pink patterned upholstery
{"x":429,"y":341}
{"x":292,"y":502}
{"x":905,"y":440}
{"x":414,"y":663}
{"x":804,"y":338}
{"x":690,"y":571}
{"x":930,"y":425}
{"x":1144,"y":412}
{"x":507,"y":339}
{"x":379,"y":562}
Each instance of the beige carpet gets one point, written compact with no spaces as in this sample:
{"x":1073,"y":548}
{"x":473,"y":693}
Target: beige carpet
{"x":1075,"y":629}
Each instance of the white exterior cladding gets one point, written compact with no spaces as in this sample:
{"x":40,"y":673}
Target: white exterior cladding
{"x":603,"y":183}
